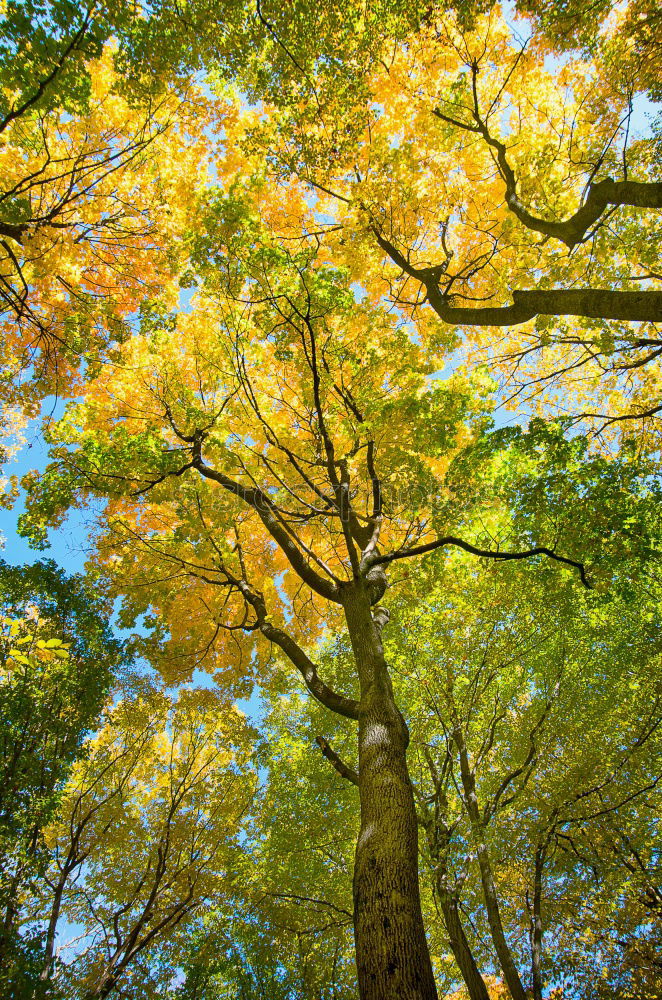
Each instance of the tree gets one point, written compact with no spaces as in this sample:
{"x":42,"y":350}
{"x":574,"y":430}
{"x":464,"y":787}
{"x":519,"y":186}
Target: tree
{"x":268,"y":456}
{"x":274,"y":451}
{"x":105,"y":134}
{"x":466,"y":93}
{"x":285,"y":927}
{"x":540,"y":697}
{"x":101,"y":121}
{"x":533,"y":765}
{"x":58,"y":659}
{"x":149,"y":816}
{"x":627,"y":51}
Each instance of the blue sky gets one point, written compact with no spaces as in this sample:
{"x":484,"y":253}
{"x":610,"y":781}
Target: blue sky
{"x":68,"y":543}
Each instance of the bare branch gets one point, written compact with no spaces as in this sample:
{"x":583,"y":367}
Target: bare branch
{"x":539,"y":550}
{"x":343,"y":770}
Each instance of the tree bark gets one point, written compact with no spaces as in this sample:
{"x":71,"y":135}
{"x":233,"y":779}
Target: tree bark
{"x":392,"y":957}
{"x":593,"y":303}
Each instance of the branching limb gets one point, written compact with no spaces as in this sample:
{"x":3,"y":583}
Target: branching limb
{"x":268,"y":514}
{"x":636,"y":194}
{"x":539,"y":550}
{"x":593,"y":303}
{"x":42,"y":86}
{"x":347,"y":707}
{"x":343,"y":770}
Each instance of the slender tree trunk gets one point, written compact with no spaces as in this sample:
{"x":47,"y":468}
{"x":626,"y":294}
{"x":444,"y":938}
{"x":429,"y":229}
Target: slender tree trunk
{"x":460,"y":946}
{"x":56,"y":906}
{"x":8,"y":921}
{"x":438,"y":835}
{"x":504,"y":954}
{"x":102,"y":990}
{"x":536,"y":925}
{"x":392,"y":956}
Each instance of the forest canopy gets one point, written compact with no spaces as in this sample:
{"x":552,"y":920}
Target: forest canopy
{"x":340,"y":328}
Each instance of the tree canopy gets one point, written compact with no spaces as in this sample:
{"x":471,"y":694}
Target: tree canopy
{"x":354,"y":317}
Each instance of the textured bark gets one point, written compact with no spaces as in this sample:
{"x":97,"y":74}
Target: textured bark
{"x":593,"y":303}
{"x":392,"y":956}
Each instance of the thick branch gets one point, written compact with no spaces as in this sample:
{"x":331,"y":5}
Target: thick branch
{"x":593,"y":303}
{"x":14,"y":232}
{"x":539,"y":550}
{"x":343,"y":770}
{"x":637,"y":194}
{"x":261,"y":503}
{"x":325,"y":695}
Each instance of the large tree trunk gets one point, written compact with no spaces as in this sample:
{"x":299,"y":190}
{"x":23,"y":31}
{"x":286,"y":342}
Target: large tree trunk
{"x":392,"y":954}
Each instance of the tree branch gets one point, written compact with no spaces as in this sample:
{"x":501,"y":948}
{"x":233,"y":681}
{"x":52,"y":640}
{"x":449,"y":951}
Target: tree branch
{"x":593,"y":303}
{"x":347,"y":707}
{"x":539,"y":550}
{"x":343,"y":770}
{"x":267,"y":513}
{"x":16,"y":112}
{"x":637,"y":194}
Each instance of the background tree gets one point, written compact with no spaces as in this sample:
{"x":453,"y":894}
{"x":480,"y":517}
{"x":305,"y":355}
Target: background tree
{"x":525,"y":775}
{"x":58,"y":661}
{"x":285,"y":928}
{"x":143,"y":838}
